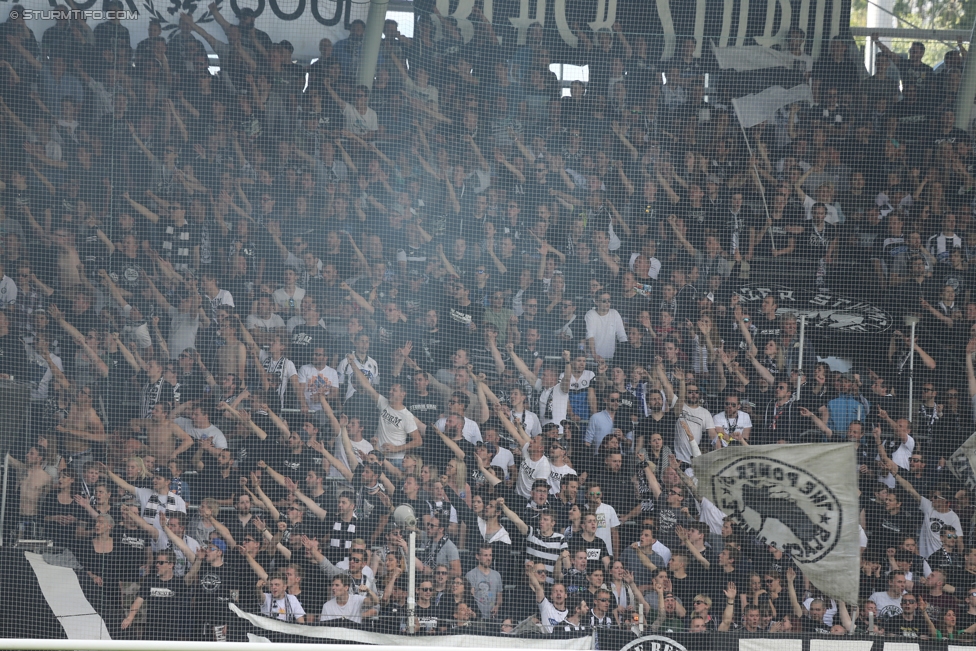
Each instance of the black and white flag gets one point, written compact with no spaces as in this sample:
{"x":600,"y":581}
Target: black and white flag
{"x":962,"y":463}
{"x":801,"y":499}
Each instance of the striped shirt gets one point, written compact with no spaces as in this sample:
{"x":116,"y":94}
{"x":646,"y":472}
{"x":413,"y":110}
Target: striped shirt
{"x":545,"y":549}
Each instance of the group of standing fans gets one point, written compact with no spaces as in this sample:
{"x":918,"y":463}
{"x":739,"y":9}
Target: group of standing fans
{"x":256,"y":311}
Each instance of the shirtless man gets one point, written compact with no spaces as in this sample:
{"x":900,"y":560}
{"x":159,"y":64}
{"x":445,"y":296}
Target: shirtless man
{"x":81,"y":428}
{"x":232,"y":356}
{"x":166,"y":439}
{"x":34,"y":483}
{"x":69,"y":262}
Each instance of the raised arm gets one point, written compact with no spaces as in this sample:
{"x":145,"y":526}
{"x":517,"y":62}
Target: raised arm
{"x":121,"y":483}
{"x":361,"y":379}
{"x":790,"y":580}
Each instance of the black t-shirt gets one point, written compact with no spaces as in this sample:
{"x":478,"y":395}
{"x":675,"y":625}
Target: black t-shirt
{"x":166,"y":604}
{"x":596,"y":551}
{"x":218,"y":586}
{"x":460,"y":324}
{"x":813,"y":243}
{"x":131,"y":544}
{"x":427,"y":409}
{"x":898,"y":625}
{"x":810,"y":626}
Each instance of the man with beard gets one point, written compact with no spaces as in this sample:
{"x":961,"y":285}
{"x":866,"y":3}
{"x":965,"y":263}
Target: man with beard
{"x":694,"y":423}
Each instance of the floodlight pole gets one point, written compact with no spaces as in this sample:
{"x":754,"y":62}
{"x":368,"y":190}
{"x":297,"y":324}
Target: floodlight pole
{"x":967,"y":88}
{"x":371,"y":42}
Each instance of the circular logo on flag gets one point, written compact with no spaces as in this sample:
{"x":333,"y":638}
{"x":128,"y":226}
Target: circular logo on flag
{"x":781,"y":505}
{"x":822,"y":310}
{"x":653,"y":643}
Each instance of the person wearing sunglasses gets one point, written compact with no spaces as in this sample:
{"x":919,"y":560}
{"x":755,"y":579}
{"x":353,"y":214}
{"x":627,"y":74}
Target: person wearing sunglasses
{"x":166,"y":600}
{"x":732,"y":425}
{"x":936,"y":510}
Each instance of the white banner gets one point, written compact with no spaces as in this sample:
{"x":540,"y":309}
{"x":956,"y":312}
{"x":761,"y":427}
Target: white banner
{"x":754,"y":109}
{"x":801,"y":499}
{"x":751,"y":57}
{"x":440,"y":641}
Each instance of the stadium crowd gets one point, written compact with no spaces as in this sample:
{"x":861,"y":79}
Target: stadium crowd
{"x":256,"y":311}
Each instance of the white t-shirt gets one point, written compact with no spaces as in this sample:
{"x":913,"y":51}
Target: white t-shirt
{"x":360,"y":124}
{"x":550,"y":616}
{"x":725,"y":427}
{"x":556,"y":474}
{"x":254,"y":322}
{"x":369,"y":368}
{"x":151,"y":503}
{"x":471,"y":432}
{"x":529,"y":471}
{"x":286,"y":302}
{"x":315,"y":381}
{"x":283,"y":367}
{"x":282,"y":608}
{"x":553,"y":403}
{"x":504,"y":459}
{"x":930,"y":536}
{"x":339,"y":453}
{"x":213,"y":433}
{"x":605,"y":331}
{"x":887,"y":607}
{"x":222,"y":298}
{"x":530,"y":422}
{"x":353,"y":610}
{"x":8,"y":291}
{"x":698,"y":420}
{"x":606,"y":519}
{"x":394,"y":426}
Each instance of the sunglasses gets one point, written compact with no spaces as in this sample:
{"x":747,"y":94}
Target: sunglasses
{"x":595,"y":494}
{"x":164,"y":562}
{"x":426,"y":589}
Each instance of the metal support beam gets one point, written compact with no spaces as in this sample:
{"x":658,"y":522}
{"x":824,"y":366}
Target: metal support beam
{"x":371,"y":41}
{"x":914,"y":34}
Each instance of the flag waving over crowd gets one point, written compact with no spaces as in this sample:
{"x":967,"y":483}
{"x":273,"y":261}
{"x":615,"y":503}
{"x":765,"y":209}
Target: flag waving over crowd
{"x":800,"y":498}
{"x":759,"y":107}
{"x":962,"y":463}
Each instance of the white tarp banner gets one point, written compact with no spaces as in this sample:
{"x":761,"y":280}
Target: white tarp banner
{"x":754,"y":109}
{"x":801,"y":499}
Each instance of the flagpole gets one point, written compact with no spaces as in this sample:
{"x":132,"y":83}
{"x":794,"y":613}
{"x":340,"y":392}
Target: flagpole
{"x":752,"y":155}
{"x":911,"y":320}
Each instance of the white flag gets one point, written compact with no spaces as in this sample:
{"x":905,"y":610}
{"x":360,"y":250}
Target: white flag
{"x":800,"y":498}
{"x":962,"y":463}
{"x":751,"y":57}
{"x":759,"y":107}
